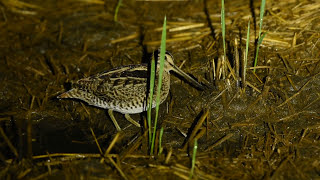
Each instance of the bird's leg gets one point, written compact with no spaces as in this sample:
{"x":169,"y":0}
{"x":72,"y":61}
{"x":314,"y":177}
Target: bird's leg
{"x":127,"y":116}
{"x":110,"y":112}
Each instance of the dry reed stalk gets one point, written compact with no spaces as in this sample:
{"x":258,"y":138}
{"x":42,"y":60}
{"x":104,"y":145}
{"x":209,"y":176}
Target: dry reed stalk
{"x":169,"y":154}
{"x":7,"y":140}
{"x":187,"y":34}
{"x":126,"y":38}
{"x":64,"y":155}
{"x":181,"y":175}
{"x":85,"y":108}
{"x":311,"y":103}
{"x":187,"y":27}
{"x":195,"y":129}
{"x":99,"y":2}
{"x":95,"y":139}
{"x":201,"y":133}
{"x":24,"y":173}
{"x":253,"y":87}
{"x":134,"y":146}
{"x":44,"y":175}
{"x":244,"y":124}
{"x":293,"y":115}
{"x":220,"y":141}
{"x":236,"y":62}
{"x":291,"y":82}
{"x":20,"y":7}
{"x":118,"y":168}
{"x":113,"y":142}
{"x":37,"y":72}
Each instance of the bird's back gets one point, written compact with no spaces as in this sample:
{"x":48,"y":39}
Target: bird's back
{"x":123,"y":89}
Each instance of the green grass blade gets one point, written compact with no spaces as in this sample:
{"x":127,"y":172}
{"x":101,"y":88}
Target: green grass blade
{"x":263,"y":4}
{"x":151,"y":90}
{"x":262,"y":7}
{"x":246,"y":55}
{"x":261,"y":38}
{"x":223,"y":29}
{"x":257,"y":51}
{"x":115,"y":17}
{"x":162,"y":54}
{"x":256,"y":58}
{"x":193,"y":162}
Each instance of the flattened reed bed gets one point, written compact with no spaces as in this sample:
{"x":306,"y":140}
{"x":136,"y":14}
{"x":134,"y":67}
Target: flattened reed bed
{"x":270,"y":130}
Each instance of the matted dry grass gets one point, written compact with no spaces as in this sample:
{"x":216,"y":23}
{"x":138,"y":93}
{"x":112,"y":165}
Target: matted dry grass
{"x":269,"y":130}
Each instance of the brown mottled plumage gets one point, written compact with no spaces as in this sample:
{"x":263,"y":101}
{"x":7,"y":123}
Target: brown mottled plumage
{"x":124,"y":89}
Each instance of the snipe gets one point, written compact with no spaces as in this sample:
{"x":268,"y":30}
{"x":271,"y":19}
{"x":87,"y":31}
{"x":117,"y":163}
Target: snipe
{"x":124,"y":89}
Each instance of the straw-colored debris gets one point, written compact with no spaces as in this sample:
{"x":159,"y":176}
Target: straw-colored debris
{"x":263,"y":126}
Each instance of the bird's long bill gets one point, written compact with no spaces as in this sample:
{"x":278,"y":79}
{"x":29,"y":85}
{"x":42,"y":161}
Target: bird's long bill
{"x":187,"y":77}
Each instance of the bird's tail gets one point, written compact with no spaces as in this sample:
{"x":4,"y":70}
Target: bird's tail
{"x":69,"y":94}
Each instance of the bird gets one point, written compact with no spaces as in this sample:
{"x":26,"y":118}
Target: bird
{"x":125,"y":89}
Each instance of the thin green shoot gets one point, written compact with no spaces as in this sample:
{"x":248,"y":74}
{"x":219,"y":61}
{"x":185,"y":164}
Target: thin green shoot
{"x":223,"y":29}
{"x":193,"y":162}
{"x":257,"y":51}
{"x":115,"y":17}
{"x":263,"y":4}
{"x":151,"y":90}
{"x":162,"y":54}
{"x":160,"y":141}
{"x":262,"y":7}
{"x":246,"y":55}
{"x":262,"y":37}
